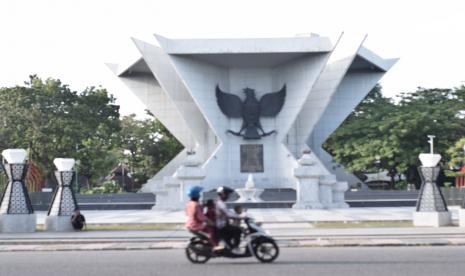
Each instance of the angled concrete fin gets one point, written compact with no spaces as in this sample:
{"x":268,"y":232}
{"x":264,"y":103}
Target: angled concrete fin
{"x":163,"y":41}
{"x":319,"y":98}
{"x":113,"y":67}
{"x":164,"y":71}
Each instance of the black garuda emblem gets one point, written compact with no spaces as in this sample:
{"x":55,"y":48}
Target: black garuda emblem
{"x":250,"y":110}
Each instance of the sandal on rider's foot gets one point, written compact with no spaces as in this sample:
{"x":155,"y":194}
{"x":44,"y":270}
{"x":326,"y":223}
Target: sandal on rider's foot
{"x":218,"y":248}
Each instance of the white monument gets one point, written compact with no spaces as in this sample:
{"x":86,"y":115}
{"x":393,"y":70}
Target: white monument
{"x":431,"y":207}
{"x":251,"y":106}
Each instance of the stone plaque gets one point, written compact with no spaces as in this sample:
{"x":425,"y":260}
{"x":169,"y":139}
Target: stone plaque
{"x":252,"y":158}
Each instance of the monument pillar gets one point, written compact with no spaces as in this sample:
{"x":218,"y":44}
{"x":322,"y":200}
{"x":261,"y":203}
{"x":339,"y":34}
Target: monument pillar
{"x":339,"y":189}
{"x":189,"y":174}
{"x":307,"y":187}
{"x":431,"y":207}
{"x":64,"y":202}
{"x":16,"y":213}
{"x":327,"y":182}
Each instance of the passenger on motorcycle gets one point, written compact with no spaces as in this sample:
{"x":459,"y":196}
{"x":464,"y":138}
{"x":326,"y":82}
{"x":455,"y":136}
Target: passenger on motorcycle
{"x":196,"y":220}
{"x":231,"y":234}
{"x":210,"y":213}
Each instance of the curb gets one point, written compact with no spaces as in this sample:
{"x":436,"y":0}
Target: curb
{"x":164,"y":245}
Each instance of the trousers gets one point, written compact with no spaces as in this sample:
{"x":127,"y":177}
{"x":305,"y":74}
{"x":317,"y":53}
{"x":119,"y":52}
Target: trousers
{"x":231,"y":235}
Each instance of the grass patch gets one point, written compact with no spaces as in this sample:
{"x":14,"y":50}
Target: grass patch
{"x":363,"y":224}
{"x":127,"y":227}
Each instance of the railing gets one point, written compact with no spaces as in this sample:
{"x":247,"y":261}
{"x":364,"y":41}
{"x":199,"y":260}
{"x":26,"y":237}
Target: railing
{"x":273,"y":198}
{"x":123,"y":201}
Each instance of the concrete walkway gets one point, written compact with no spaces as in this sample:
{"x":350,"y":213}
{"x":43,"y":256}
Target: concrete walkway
{"x":262,"y":215}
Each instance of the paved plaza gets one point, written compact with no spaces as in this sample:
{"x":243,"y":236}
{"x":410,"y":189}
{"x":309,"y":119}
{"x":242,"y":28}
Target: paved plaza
{"x":262,"y":215}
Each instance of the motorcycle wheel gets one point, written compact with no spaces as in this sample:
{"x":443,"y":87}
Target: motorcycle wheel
{"x":266,"y":251}
{"x":198,"y":252}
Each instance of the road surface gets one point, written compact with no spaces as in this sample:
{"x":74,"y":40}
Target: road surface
{"x":345,"y":261}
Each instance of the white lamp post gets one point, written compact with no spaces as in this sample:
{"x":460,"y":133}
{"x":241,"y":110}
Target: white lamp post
{"x":64,"y":202}
{"x":16,"y":212}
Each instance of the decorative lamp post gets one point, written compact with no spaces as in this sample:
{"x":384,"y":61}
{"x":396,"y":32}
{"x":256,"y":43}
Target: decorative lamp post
{"x":76,"y":169}
{"x":16,"y":213}
{"x":462,"y":210}
{"x":431,"y":207}
{"x":63,"y":202}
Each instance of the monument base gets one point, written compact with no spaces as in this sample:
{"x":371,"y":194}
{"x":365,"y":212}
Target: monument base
{"x":58,"y":224}
{"x":249,"y":195}
{"x":462,"y":217}
{"x":167,"y":207}
{"x":340,"y":205}
{"x":167,"y":196}
{"x":307,"y":205}
{"x":12,"y":223}
{"x":168,"y":200}
{"x":434,"y":219}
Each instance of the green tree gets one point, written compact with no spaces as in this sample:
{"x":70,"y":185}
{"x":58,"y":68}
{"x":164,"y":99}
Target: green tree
{"x":457,"y":154}
{"x":150,"y":146}
{"x":50,"y":119}
{"x":396,"y":132}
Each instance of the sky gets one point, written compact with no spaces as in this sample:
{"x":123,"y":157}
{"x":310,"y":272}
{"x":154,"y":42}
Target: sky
{"x":72,"y":39}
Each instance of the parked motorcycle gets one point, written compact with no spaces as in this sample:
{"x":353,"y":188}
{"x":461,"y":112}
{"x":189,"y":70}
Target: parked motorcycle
{"x":257,"y":244}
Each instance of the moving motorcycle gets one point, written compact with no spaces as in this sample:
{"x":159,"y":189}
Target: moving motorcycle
{"x":257,"y":244}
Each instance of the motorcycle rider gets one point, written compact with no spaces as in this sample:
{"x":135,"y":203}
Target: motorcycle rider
{"x":196,"y":220}
{"x":231,"y":234}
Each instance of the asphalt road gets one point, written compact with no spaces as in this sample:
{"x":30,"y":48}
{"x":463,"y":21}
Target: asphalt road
{"x":346,"y":261}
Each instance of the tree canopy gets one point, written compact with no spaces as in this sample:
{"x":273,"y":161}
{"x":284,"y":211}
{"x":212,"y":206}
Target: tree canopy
{"x":50,"y":120}
{"x":149,"y":146}
{"x":396,"y":131}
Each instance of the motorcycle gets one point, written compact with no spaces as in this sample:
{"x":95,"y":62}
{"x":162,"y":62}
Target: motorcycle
{"x":257,"y":244}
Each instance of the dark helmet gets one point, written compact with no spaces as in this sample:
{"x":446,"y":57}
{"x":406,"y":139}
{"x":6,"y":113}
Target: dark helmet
{"x":223,"y":190}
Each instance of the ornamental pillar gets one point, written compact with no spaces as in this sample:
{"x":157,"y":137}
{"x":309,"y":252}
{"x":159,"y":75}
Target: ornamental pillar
{"x":431,"y":207}
{"x":327,"y":182}
{"x":189,"y":174}
{"x":16,"y":213}
{"x":339,"y":190}
{"x":64,"y":201}
{"x":307,"y":188}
